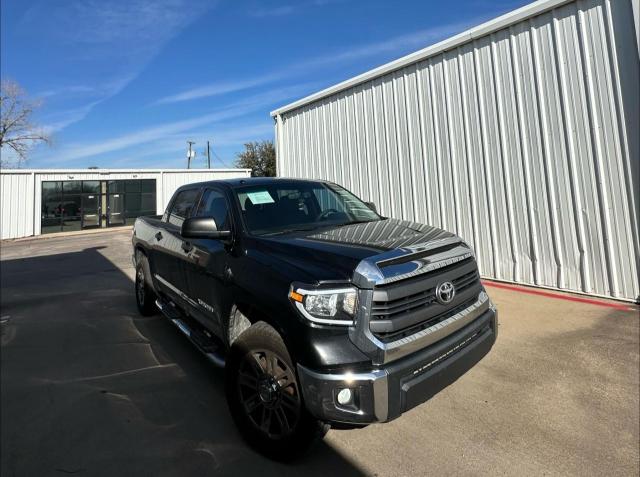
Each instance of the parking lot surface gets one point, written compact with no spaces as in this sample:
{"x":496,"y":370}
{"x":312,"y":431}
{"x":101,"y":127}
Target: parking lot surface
{"x":89,"y":387}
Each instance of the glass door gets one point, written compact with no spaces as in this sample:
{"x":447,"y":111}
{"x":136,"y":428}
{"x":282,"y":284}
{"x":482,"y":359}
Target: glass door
{"x":51,"y":218}
{"x":115,"y":210}
{"x":91,"y":211}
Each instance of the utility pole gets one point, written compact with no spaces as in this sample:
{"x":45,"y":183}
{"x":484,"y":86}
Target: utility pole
{"x":208,"y":156}
{"x":191,"y":143}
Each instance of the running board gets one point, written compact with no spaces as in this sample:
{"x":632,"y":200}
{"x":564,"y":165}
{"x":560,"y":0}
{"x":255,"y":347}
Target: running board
{"x":209,"y":350}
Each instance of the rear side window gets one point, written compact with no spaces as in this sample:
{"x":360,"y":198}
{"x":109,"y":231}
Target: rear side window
{"x":182,"y":206}
{"x":214,"y":204}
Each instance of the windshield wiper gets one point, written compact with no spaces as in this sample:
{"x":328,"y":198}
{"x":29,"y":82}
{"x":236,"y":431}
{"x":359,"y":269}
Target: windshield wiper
{"x":290,"y":230}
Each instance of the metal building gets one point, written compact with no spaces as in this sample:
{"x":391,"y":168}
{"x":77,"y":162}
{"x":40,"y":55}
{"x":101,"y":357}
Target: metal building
{"x":38,"y":201}
{"x":521,"y":135}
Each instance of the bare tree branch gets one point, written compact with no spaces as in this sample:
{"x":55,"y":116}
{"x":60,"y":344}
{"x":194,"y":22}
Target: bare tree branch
{"x":17,"y":132}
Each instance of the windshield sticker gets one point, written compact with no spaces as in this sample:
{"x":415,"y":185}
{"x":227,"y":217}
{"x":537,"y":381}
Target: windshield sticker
{"x":260,"y":197}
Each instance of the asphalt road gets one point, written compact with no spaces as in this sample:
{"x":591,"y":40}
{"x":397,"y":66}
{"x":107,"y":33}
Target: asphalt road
{"x":91,"y":388}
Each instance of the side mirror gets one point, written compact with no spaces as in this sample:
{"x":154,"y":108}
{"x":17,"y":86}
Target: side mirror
{"x":372,"y":206}
{"x":203,"y":228}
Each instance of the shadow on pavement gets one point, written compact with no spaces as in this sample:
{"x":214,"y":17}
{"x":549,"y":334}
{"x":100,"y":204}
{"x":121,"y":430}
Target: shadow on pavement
{"x":90,"y":387}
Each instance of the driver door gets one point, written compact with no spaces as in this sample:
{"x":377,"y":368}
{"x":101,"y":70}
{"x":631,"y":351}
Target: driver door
{"x":208,"y":265}
{"x":169,"y":251}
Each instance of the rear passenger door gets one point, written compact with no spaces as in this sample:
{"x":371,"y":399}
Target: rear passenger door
{"x":170,"y":248}
{"x":208,"y":265}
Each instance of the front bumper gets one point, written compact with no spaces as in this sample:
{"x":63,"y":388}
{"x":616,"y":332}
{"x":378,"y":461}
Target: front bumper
{"x":384,"y":393}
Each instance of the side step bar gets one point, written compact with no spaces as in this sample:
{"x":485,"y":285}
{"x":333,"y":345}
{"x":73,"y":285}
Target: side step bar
{"x":207,"y":347}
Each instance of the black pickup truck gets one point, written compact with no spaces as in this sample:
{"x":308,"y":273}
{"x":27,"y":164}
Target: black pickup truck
{"x":323,"y":312}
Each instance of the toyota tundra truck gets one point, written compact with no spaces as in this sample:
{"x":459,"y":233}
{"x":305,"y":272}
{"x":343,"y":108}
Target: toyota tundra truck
{"x":322,"y":312}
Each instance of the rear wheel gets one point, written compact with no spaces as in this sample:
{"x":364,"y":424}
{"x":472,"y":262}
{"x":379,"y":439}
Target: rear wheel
{"x":264,"y":396}
{"x":145,"y":297}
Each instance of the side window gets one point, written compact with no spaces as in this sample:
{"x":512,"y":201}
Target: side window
{"x":214,"y":204}
{"x":182,"y":205}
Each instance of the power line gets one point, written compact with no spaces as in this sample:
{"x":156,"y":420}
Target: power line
{"x":220,"y":159}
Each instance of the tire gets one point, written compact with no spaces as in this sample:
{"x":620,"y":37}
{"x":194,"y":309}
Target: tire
{"x":145,"y":296}
{"x":265,"y":398}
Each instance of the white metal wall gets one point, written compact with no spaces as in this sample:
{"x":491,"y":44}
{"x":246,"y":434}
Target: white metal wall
{"x":520,"y":135}
{"x":21,"y":190}
{"x":16,"y":214}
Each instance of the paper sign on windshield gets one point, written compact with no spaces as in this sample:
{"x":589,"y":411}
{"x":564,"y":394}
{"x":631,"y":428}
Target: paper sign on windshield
{"x":260,"y":197}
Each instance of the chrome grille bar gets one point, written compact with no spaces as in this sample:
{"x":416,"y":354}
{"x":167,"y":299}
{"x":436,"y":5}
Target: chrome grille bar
{"x":409,"y":344}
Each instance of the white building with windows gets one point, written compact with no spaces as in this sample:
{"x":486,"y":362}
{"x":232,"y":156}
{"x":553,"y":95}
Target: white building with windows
{"x":40,"y":201}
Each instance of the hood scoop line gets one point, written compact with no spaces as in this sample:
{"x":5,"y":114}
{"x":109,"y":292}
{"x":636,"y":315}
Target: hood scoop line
{"x":407,"y":262}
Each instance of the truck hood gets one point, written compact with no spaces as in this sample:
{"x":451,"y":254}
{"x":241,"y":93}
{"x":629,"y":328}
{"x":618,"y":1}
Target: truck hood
{"x":334,"y":253}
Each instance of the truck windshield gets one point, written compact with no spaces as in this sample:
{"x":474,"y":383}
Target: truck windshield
{"x":284,"y":207}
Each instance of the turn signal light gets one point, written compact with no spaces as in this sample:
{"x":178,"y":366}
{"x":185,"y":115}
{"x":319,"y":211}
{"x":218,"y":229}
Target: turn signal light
{"x":295,"y":296}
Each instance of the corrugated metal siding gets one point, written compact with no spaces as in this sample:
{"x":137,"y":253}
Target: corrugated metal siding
{"x":16,"y":215}
{"x":20,"y":191}
{"x":524,"y":142}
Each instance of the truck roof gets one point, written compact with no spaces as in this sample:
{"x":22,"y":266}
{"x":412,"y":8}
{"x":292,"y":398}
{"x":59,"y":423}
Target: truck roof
{"x":249,"y":181}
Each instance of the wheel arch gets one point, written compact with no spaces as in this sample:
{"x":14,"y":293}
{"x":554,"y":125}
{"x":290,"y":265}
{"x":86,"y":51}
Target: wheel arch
{"x":244,"y":315}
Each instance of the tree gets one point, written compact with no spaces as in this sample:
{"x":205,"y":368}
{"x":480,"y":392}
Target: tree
{"x":260,"y":157}
{"x":17,"y":133}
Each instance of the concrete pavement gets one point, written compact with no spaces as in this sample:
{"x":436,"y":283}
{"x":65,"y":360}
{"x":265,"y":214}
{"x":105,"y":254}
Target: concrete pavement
{"x":89,"y":387}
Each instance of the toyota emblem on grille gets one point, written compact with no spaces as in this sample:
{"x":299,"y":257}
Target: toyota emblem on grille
{"x":445,"y":292}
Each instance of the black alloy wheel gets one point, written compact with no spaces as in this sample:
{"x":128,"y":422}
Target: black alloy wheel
{"x":265,"y":397}
{"x":145,"y":296}
{"x":269,"y":392}
{"x":140,"y":288}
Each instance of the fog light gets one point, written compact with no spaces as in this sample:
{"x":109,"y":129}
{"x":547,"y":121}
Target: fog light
{"x":345,"y":396}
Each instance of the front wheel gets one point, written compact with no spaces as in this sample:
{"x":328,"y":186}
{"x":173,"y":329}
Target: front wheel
{"x":145,"y":297}
{"x":264,"y":395}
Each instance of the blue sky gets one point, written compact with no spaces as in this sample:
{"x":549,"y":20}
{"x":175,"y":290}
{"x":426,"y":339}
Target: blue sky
{"x":125,"y":83}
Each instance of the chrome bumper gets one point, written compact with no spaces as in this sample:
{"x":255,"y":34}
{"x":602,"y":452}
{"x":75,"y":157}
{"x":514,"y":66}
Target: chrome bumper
{"x":320,"y":394}
{"x":384,"y":393}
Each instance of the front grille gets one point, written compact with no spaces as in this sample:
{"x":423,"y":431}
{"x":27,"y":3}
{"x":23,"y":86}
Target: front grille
{"x":389,"y":309}
{"x":384,"y":310}
{"x":397,"y":335}
{"x":408,"y":306}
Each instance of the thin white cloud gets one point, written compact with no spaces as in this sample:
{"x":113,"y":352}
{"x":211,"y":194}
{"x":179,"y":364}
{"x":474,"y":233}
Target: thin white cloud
{"x":85,"y":97}
{"x":66,"y":90}
{"x":143,"y":136}
{"x":59,"y":120}
{"x":174,"y":146}
{"x":217,"y":89}
{"x":414,"y":40}
{"x":227,"y":135}
{"x":161,"y":131}
{"x":92,"y":33}
{"x":287,"y":9}
{"x":138,"y":27}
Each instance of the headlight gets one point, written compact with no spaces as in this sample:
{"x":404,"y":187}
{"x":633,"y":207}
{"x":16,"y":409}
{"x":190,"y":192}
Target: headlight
{"x":335,"y":306}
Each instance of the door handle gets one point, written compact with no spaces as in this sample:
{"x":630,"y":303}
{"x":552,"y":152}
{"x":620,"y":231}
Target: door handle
{"x":158,"y":236}
{"x":186,"y":246}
